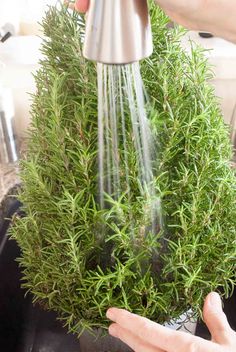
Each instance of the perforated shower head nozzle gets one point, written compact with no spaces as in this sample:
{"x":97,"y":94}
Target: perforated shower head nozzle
{"x":118,"y":31}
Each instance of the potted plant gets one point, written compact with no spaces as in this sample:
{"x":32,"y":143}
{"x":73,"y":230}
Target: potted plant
{"x":76,"y":259}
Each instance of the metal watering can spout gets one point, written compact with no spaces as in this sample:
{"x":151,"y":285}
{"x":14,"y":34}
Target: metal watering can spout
{"x":118,"y":31}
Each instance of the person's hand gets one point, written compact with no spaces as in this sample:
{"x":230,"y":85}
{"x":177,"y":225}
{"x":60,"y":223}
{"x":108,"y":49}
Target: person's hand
{"x":172,"y":7}
{"x":216,"y":16}
{"x":78,"y":5}
{"x":143,"y":335}
{"x":187,"y":13}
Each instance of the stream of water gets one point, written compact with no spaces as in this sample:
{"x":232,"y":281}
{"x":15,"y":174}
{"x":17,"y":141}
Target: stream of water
{"x":126,"y":145}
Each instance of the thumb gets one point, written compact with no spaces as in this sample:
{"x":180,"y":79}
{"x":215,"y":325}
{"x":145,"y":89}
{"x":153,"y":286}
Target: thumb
{"x":82,"y":5}
{"x":215,"y":319}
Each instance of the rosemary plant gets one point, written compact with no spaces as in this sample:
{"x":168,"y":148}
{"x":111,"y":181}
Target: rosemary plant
{"x":78,"y":259}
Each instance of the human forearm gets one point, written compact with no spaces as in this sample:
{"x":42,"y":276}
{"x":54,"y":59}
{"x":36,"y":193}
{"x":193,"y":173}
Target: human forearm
{"x":221,"y":18}
{"x":216,"y":16}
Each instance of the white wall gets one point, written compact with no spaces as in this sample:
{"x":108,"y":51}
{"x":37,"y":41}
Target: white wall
{"x":34,"y":9}
{"x":10,"y":12}
{"x":26,"y":11}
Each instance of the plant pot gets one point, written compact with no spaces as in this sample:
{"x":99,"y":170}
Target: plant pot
{"x":99,"y":343}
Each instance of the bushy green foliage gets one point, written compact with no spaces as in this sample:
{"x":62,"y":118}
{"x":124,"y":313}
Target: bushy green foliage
{"x":71,"y":264}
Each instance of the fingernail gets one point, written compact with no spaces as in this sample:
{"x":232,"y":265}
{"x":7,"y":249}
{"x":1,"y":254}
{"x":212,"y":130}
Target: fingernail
{"x":215,"y":301}
{"x":112,"y":330}
{"x":110,"y":314}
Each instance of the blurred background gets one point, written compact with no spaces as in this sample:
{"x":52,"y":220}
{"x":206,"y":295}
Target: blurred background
{"x":19,"y":57}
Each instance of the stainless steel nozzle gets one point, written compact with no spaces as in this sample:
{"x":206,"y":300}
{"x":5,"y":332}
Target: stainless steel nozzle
{"x":118,"y":31}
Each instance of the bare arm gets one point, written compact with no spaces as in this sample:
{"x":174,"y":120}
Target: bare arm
{"x":216,"y":16}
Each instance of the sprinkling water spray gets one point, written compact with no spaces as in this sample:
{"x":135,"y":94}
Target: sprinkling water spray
{"x":118,"y":35}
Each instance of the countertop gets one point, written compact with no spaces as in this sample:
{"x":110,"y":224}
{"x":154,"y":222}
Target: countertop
{"x":8,"y":179}
{"x":9,"y":187}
